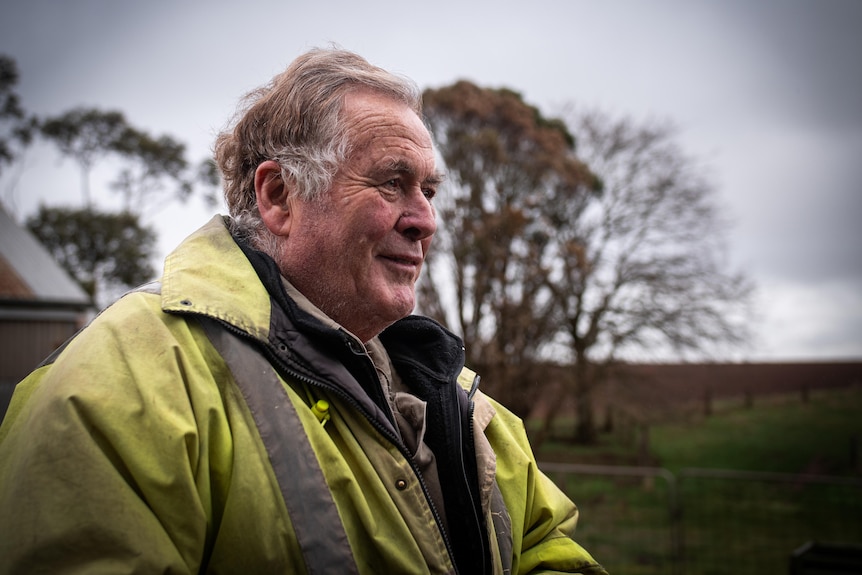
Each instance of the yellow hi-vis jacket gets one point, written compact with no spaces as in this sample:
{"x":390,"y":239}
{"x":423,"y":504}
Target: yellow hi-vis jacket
{"x":203,"y":428}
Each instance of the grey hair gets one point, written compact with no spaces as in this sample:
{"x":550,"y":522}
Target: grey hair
{"x":296,"y":120}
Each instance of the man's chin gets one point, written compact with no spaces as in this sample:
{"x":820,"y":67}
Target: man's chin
{"x":401,"y":303}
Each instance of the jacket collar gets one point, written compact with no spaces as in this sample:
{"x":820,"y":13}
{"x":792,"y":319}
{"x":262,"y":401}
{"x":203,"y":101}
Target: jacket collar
{"x":414,"y":343}
{"x":211,"y":273}
{"x":207,"y":274}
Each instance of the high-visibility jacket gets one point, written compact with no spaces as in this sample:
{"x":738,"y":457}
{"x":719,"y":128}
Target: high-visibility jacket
{"x":211,"y":426}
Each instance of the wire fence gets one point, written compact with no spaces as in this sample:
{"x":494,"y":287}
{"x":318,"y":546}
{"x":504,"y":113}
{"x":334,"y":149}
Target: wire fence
{"x":644,"y":520}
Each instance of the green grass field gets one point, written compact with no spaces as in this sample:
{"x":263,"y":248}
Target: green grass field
{"x":697,"y":524}
{"x":822,"y":436}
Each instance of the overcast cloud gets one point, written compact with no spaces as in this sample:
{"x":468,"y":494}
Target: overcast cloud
{"x":767,"y":96}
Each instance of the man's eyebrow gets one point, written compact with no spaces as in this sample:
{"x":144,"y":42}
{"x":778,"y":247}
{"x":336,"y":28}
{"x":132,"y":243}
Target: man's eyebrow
{"x":403,"y":167}
{"x":435,"y":179}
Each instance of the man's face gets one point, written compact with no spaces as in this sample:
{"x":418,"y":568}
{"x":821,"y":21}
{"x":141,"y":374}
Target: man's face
{"x":357,"y":252}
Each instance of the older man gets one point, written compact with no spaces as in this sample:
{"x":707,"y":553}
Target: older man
{"x":270,"y":406}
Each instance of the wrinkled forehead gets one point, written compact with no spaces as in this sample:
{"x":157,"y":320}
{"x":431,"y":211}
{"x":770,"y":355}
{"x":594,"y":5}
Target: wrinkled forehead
{"x":375,"y":122}
{"x":365,"y":107}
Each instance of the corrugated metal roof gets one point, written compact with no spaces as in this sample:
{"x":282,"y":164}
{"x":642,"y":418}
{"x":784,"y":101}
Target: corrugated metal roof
{"x":35,"y":266}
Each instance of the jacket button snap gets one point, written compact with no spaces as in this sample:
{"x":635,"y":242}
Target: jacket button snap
{"x":401,"y":485}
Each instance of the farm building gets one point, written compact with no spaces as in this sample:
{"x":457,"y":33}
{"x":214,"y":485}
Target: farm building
{"x":40,"y":305}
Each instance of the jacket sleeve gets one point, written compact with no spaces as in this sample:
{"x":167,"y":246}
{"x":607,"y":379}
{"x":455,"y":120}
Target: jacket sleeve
{"x":95,"y":452}
{"x":549,"y":539}
{"x":543,"y":518}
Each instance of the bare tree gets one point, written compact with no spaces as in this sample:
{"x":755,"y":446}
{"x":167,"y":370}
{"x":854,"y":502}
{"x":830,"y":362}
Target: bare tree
{"x":640,"y":266}
{"x":506,"y":164}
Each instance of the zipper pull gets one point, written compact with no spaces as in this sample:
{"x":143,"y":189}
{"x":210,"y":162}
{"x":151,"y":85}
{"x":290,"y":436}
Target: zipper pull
{"x":320,"y":409}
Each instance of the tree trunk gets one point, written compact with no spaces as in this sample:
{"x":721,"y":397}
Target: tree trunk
{"x":585,"y":423}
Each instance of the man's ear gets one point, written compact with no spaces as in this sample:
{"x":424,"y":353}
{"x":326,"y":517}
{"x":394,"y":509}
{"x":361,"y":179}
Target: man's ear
{"x":272,"y":194}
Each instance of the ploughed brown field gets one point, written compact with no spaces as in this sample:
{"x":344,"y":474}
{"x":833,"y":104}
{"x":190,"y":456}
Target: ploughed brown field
{"x":658,"y":392}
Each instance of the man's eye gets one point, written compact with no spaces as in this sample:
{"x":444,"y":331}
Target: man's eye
{"x":429,"y":192}
{"x":392,"y":184}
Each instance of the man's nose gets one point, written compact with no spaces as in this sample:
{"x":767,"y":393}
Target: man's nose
{"x":418,"y":219}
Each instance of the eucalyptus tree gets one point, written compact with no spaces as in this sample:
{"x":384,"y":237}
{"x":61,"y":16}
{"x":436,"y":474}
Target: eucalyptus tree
{"x":108,"y":251}
{"x":506,"y":164}
{"x":87,"y":136}
{"x":104,"y":252}
{"x":154,"y":172}
{"x":17,"y":127}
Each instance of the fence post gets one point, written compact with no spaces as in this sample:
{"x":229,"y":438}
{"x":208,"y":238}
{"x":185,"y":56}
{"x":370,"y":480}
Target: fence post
{"x":856,"y":454}
{"x":707,"y":401}
{"x":643,"y":444}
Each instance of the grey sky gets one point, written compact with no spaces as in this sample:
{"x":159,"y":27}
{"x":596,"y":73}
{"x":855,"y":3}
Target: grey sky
{"x":767,"y":96}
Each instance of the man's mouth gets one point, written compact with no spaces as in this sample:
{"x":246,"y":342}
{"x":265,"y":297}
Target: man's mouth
{"x":403,"y":260}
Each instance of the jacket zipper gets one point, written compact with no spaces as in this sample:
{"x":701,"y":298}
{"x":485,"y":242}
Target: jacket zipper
{"x":472,"y":449}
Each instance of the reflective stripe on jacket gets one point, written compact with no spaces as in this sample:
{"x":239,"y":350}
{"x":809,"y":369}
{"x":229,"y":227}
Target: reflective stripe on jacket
{"x":135,"y":449}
